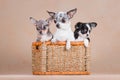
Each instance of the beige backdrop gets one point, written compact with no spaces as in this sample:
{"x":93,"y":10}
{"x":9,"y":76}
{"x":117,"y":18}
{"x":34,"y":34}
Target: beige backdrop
{"x":17,"y":32}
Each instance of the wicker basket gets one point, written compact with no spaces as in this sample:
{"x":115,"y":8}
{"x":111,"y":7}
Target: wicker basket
{"x":53,"y":58}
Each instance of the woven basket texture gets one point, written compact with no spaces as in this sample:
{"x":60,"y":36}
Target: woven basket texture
{"x":55,"y":58}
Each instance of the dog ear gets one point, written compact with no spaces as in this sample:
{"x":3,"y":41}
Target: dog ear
{"x":93,"y":24}
{"x":78,"y":25}
{"x":34,"y":21}
{"x":49,"y":19}
{"x":71,"y":13}
{"x":52,"y":14}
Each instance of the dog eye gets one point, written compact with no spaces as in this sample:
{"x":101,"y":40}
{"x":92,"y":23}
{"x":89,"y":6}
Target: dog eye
{"x":54,"y":21}
{"x":37,"y":28}
{"x":63,"y":20}
{"x":44,"y":27}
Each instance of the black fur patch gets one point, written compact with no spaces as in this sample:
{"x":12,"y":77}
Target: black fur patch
{"x":88,"y":39}
{"x":76,"y":35}
{"x":81,"y":27}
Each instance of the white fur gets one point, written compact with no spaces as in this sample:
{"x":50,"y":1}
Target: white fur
{"x":64,"y":34}
{"x":44,"y":37}
{"x":80,"y":39}
{"x":86,"y":42}
{"x":83,"y":37}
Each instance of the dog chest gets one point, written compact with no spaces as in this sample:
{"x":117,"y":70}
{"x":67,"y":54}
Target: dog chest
{"x":63,"y":35}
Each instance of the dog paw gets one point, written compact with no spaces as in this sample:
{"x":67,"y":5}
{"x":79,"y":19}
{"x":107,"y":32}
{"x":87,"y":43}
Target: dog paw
{"x":86,"y":43}
{"x":53,"y":40}
{"x":68,"y":46}
{"x":42,"y":40}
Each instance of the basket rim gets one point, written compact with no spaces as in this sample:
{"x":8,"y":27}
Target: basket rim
{"x":62,"y":43}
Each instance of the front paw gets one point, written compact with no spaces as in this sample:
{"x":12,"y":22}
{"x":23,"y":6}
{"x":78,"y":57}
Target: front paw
{"x":53,"y":40}
{"x":86,"y":43}
{"x":68,"y":46}
{"x":42,"y":40}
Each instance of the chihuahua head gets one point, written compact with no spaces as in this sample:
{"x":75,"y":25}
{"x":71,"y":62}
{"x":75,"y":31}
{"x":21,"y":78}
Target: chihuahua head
{"x":42,"y":26}
{"x":83,"y":29}
{"x":61,"y":19}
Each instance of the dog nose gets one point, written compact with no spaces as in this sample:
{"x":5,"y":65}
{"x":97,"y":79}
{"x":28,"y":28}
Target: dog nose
{"x":40,"y":32}
{"x":87,"y":35}
{"x":44,"y":28}
{"x":57,"y":25}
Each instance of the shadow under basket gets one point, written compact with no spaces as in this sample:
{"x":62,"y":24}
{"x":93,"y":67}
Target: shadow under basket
{"x":53,"y":58}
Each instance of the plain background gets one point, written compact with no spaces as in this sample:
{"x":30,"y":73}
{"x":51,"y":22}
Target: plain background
{"x":17,"y":32}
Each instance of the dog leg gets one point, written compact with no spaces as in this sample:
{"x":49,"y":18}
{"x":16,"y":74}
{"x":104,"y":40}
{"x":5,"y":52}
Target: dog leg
{"x":42,"y":40}
{"x":86,"y":42}
{"x":53,"y":40}
{"x":68,"y":45}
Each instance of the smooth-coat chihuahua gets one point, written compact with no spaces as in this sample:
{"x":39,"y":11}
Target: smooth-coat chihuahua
{"x":63,"y":24}
{"x":82,"y":32}
{"x":42,"y":27}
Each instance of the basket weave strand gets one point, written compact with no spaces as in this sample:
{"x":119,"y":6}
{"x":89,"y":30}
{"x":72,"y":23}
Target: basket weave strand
{"x":53,"y":57}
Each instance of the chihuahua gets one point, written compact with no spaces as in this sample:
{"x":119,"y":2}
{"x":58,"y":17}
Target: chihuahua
{"x":42,"y":27}
{"x":82,"y":32}
{"x":63,"y":24}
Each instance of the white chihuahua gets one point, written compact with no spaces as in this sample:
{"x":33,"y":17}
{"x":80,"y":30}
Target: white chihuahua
{"x":63,"y":24}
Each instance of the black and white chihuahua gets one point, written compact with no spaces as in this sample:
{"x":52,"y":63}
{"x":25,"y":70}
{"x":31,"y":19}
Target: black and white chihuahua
{"x":63,"y":24}
{"x":42,"y":27}
{"x":82,"y":32}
